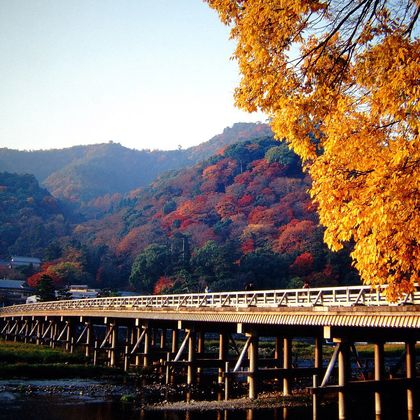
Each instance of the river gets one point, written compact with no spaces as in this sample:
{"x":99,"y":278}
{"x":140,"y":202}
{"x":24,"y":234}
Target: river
{"x":71,"y":400}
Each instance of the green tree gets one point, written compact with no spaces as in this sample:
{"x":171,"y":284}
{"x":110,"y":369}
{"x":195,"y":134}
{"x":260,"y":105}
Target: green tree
{"x":149,"y":265}
{"x":286,"y":157}
{"x":265,"y":269}
{"x":214,"y":262}
{"x":45,"y":291}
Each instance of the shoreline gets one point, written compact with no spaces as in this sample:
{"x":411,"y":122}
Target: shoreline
{"x":151,"y":397}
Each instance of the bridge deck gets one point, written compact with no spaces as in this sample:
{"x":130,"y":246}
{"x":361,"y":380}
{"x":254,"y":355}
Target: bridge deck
{"x":356,"y":306}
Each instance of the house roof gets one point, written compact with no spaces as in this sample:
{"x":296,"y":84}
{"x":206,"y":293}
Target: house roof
{"x":12,"y":284}
{"x":18,"y":258}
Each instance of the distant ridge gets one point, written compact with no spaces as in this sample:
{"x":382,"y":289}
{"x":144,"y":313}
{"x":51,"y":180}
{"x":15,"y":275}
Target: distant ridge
{"x":82,"y":173}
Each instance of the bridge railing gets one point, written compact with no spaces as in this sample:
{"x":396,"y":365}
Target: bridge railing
{"x":326,"y":296}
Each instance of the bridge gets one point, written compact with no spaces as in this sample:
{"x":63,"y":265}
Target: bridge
{"x":169,"y":332}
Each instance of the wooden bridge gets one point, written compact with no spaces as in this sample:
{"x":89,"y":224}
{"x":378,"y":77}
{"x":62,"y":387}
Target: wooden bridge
{"x":169,"y":332}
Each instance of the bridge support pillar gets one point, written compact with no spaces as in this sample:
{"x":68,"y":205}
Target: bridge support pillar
{"x":253,"y":365}
{"x":287,"y":363}
{"x":191,"y":369}
{"x":38,"y":333}
{"x":223,"y":345}
{"x":410,"y":366}
{"x":53,"y":333}
{"x":174,"y":343}
{"x":89,"y":337}
{"x":113,"y":348}
{"x":379,"y":374}
{"x":147,"y":342}
{"x":68,"y":335}
{"x":162,"y":339}
{"x":343,"y":377}
{"x":137,"y":334}
{"x":26,"y":332}
{"x":200,"y":350}
{"x":318,"y":352}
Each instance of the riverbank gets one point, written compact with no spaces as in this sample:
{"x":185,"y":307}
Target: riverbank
{"x":30,"y":370}
{"x":21,"y":360}
{"x":151,"y":397}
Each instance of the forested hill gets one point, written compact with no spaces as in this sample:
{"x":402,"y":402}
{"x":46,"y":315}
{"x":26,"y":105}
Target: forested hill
{"x":244,"y":215}
{"x":31,"y":220}
{"x":83,"y":173}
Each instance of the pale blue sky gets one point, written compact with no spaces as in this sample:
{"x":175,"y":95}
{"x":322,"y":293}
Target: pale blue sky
{"x":146,"y":73}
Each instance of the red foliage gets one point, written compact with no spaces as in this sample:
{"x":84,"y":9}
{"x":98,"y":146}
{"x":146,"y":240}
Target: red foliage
{"x":303,"y":264}
{"x":226,"y":206}
{"x":46,"y":269}
{"x":162,"y":285}
{"x":248,"y":246}
{"x":246,"y":200}
{"x":298,"y":235}
{"x":256,"y":215}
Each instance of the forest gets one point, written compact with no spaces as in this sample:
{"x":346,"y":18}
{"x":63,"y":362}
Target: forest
{"x":241,"y":217}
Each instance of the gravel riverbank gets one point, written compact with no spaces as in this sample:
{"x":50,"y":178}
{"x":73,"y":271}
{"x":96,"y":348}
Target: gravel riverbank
{"x":152,"y":396}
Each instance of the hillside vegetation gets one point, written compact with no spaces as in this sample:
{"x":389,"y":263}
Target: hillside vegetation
{"x":30,"y":218}
{"x":242,"y":216}
{"x":82,"y":173}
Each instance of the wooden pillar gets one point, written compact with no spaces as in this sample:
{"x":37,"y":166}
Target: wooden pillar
{"x":287,"y":363}
{"x":52,"y":334}
{"x":253,"y":365}
{"x":410,"y":366}
{"x":15,"y":334}
{"x":126,"y":355}
{"x":163,"y":339}
{"x":174,"y":344}
{"x":223,"y":345}
{"x":191,"y":358}
{"x":343,"y":370}
{"x":89,"y":336}
{"x":200,"y":342}
{"x":137,"y":332}
{"x":26,"y":332}
{"x":147,"y":338}
{"x":318,"y":352}
{"x":38,"y":333}
{"x":200,"y":350}
{"x":95,"y":352}
{"x":41,"y":331}
{"x":277,"y":348}
{"x":315,"y":400}
{"x":68,"y":335}
{"x":113,"y":349}
{"x":379,"y":373}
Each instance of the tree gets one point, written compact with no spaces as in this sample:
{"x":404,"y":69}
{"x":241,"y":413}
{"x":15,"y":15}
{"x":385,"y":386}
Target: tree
{"x":149,"y":266}
{"x":214,"y":262}
{"x":45,"y":290}
{"x":339,"y":82}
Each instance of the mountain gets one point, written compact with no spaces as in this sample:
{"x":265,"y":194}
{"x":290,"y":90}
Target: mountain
{"x":83,"y":173}
{"x":243,"y":215}
{"x":31,"y":219}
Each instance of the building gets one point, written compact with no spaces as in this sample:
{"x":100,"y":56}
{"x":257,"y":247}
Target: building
{"x":81,"y":291}
{"x":13,"y":292}
{"x":17,"y":261}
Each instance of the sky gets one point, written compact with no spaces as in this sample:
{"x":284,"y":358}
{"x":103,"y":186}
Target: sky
{"x":154,"y":74}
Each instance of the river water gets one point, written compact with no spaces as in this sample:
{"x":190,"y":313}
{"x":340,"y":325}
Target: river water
{"x":42,"y":400}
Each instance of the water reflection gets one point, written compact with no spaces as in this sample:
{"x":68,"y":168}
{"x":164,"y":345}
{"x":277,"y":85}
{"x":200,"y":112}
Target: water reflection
{"x":56,"y":409}
{"x":17,"y":406}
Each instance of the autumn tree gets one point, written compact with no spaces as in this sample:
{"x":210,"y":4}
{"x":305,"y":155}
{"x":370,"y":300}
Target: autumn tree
{"x":340,"y":82}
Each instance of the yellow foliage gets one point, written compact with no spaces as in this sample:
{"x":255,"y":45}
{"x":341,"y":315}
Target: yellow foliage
{"x":340,"y":82}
